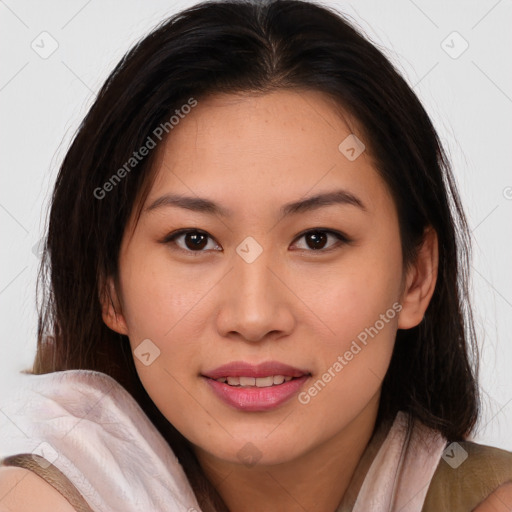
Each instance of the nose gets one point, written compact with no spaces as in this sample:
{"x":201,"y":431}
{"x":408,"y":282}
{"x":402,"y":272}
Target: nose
{"x":256,"y":303}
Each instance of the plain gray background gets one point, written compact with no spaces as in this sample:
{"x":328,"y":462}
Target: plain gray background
{"x":464,"y":80}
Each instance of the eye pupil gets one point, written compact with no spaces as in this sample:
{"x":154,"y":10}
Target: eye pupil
{"x":199,"y":240}
{"x":318,"y":238}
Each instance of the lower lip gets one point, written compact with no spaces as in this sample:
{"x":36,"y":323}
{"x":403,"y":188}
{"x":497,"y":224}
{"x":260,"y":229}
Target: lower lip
{"x":254,"y":398}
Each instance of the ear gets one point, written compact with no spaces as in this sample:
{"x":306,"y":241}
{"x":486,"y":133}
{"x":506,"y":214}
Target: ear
{"x":420,"y":282}
{"x":111,"y":310}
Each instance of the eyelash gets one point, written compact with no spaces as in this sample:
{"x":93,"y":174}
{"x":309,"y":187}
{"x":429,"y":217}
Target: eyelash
{"x":342,"y":239}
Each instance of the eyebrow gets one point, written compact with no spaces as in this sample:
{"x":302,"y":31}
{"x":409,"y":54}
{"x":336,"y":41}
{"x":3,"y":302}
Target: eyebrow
{"x":203,"y":205}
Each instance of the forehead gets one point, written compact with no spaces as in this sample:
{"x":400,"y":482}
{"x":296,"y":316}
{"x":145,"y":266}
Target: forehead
{"x":264,"y":149}
{"x":250,"y":127}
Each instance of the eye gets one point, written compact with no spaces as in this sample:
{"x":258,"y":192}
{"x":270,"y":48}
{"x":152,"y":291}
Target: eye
{"x":195,"y":240}
{"x":316,"y":239}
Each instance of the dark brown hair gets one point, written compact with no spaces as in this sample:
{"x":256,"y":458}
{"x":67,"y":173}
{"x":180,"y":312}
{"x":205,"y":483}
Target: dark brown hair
{"x":256,"y":47}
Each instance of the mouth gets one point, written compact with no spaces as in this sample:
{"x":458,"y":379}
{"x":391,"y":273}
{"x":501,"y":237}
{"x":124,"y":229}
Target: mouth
{"x":261,"y":387}
{"x":256,"y":394}
{"x":255,"y":382}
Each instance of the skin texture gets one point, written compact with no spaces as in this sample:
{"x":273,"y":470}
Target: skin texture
{"x":293,"y":304}
{"x":499,"y":501}
{"x":21,"y":490}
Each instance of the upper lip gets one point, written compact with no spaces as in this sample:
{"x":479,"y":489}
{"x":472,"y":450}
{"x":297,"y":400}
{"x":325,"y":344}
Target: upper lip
{"x":243,"y":369}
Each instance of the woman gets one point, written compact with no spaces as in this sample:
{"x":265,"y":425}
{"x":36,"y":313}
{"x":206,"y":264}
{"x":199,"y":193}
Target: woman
{"x":257,"y":262}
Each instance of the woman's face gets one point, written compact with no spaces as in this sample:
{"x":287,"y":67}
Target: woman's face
{"x":258,"y":281}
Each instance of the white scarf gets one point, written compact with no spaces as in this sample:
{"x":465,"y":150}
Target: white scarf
{"x":89,"y":427}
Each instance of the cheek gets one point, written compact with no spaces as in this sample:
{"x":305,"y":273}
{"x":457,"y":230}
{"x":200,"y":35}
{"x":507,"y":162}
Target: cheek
{"x":155,"y":296}
{"x":361,"y":308}
{"x":360,"y":295}
{"x":165,"y":307}
{"x":360,"y":349}
{"x":353,"y":362}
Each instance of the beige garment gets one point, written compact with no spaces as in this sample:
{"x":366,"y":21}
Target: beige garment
{"x":464,"y":487}
{"x":392,"y":472}
{"x":111,"y":458}
{"x":454,"y":489}
{"x":92,"y":430}
{"x":458,"y":489}
{"x":456,"y":486}
{"x":395,"y":471}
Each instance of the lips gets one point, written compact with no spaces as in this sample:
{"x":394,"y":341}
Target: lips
{"x":255,"y":398}
{"x":262,"y":370}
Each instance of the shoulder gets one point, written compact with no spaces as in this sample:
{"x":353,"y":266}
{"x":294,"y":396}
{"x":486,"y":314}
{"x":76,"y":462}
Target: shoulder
{"x":499,"y":500}
{"x":21,"y":490}
{"x":470,"y":475}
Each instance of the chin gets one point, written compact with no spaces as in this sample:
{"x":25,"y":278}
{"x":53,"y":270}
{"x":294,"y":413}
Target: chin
{"x":250,"y":452}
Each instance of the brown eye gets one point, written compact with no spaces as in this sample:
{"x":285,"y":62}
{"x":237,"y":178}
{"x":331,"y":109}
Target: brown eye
{"x":192,"y":240}
{"x":195,"y":240}
{"x":316,"y":240}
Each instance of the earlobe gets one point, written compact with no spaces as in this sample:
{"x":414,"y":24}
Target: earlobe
{"x":420,"y":282}
{"x":111,"y":310}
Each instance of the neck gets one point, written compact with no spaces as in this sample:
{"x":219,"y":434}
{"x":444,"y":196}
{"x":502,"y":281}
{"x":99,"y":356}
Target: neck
{"x":326,"y":478}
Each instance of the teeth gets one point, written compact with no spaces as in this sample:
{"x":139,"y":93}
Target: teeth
{"x":264,"y":382}
{"x":278,"y":379}
{"x":260,"y":382}
{"x":247,"y":381}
